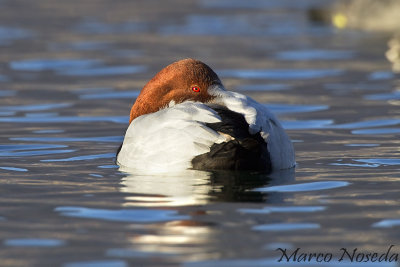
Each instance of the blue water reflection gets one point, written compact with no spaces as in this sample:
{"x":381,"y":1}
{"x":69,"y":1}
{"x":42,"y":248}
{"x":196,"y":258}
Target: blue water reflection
{"x":314,"y":54}
{"x":283,"y":209}
{"x":380,"y":161}
{"x":34,"y":242}
{"x":32,"y":150}
{"x":65,"y":119}
{"x":368,"y":123}
{"x":125,"y":215}
{"x":285,"y":74}
{"x":288,"y":108}
{"x":377,"y":131}
{"x":13,"y":169}
{"x":92,"y":26}
{"x":362,"y":145}
{"x":303,"y":187}
{"x":15,"y":147}
{"x":9,"y":34}
{"x":36,"y":153}
{"x":243,"y":25}
{"x":108,"y":167}
{"x":346,"y":87}
{"x":381,"y":75}
{"x":49,"y":131}
{"x":85,"y":157}
{"x":111,"y":95}
{"x":82,"y":46}
{"x":387,"y":223}
{"x":286,"y":226}
{"x":104,"y":71}
{"x":36,"y":107}
{"x":307,"y":124}
{"x":70,"y":139}
{"x":366,"y":165}
{"x":265,"y":87}
{"x":97,"y":263}
{"x":75,"y":67}
{"x":385,"y":96}
{"x":53,"y":64}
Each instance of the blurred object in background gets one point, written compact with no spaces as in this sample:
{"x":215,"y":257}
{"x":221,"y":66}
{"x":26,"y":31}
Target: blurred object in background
{"x":393,"y":53}
{"x":372,"y":15}
{"x":369,"y":15}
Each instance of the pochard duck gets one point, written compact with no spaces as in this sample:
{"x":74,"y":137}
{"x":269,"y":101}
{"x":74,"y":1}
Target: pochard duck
{"x":184,"y":118}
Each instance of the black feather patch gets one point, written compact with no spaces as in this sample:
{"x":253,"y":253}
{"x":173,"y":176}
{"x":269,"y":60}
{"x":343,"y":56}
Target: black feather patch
{"x":244,"y":152}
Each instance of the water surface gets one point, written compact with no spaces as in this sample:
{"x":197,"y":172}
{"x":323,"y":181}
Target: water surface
{"x":70,"y":74}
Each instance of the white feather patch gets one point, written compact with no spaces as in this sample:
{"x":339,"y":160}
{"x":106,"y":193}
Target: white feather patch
{"x":169,"y":139}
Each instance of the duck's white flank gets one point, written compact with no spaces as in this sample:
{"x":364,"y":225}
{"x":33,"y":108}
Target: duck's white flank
{"x":169,"y":139}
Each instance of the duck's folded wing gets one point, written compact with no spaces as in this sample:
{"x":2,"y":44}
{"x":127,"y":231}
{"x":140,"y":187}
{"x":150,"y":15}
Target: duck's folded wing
{"x":169,"y":139}
{"x":261,"y":120}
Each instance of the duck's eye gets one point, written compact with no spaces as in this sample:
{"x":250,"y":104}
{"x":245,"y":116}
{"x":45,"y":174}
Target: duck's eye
{"x":195,"y":89}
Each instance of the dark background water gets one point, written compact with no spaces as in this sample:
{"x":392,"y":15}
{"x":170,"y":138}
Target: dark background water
{"x":70,"y":71}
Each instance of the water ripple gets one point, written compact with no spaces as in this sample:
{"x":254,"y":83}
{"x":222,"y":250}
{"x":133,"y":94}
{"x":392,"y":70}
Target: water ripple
{"x":13,"y":169}
{"x":14,"y":147}
{"x":306,"y":124}
{"x":312,"y":186}
{"x":286,"y":226}
{"x":381,"y":75}
{"x":34,"y":242}
{"x":86,"y":157}
{"x":362,"y":145}
{"x":116,"y":139}
{"x":52,"y":64}
{"x":314,"y":54}
{"x":286,"y":74}
{"x":82,"y":46}
{"x":35,"y":153}
{"x":99,"y":263}
{"x":92,"y":26}
{"x":387,"y":223}
{"x":287,"y":108}
{"x":8,"y":34}
{"x":387,"y":96}
{"x":125,"y":215}
{"x":64,"y":119}
{"x":6,"y":93}
{"x":377,"y":131}
{"x":103,"y":71}
{"x":268,"y":210}
{"x":50,"y":131}
{"x":36,"y":107}
{"x":367,"y":123}
{"x":355,"y":165}
{"x":265,"y":87}
{"x":111,"y":95}
{"x":382,"y":161}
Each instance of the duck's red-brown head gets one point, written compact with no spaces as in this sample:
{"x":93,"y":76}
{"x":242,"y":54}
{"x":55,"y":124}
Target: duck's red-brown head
{"x":187,"y":79}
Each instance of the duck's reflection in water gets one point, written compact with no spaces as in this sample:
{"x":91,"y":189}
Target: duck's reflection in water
{"x":179,"y":189}
{"x":192,"y":187}
{"x":205,"y":197}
